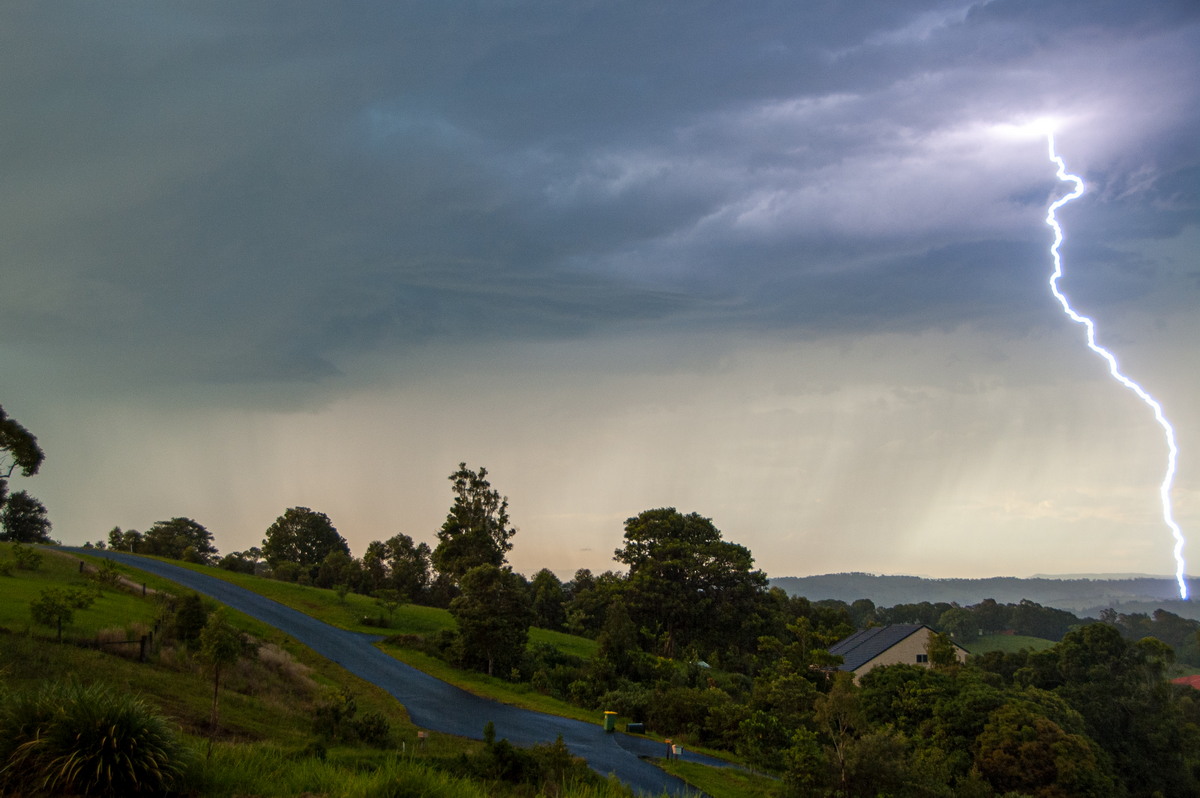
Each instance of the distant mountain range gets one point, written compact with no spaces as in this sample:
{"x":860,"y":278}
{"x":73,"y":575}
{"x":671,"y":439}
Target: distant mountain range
{"x":1082,"y":595}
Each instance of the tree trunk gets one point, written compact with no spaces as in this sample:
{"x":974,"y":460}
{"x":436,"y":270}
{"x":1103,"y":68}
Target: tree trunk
{"x":212,"y":733}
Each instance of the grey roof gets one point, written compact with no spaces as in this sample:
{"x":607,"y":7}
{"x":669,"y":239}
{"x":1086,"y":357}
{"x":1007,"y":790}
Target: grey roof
{"x":861,"y":647}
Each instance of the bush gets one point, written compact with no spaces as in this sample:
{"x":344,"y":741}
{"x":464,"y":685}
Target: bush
{"x":107,"y":574}
{"x":374,"y":729}
{"x":336,"y":719}
{"x":190,"y":618}
{"x":56,"y":607}
{"x":89,"y":740}
{"x":28,"y":559}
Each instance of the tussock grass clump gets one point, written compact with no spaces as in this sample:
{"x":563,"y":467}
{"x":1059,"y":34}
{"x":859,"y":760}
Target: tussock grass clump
{"x":68,"y":738}
{"x":272,"y":672}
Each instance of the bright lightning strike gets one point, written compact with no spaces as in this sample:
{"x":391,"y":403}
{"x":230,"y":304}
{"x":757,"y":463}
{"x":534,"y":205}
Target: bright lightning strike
{"x":1172,"y":451}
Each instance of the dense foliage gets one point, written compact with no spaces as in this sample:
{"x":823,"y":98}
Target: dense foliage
{"x":300,"y":540}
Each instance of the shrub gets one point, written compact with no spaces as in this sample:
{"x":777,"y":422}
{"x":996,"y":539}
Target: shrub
{"x":28,"y":559}
{"x":190,"y":617}
{"x":89,"y":740}
{"x":107,"y":574}
{"x":374,"y":729}
{"x":336,"y":719}
{"x":56,"y":607}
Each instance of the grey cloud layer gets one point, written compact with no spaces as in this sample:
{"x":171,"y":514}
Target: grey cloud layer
{"x":231,"y":194}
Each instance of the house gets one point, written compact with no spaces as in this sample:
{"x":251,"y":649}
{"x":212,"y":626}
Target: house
{"x":887,"y":645}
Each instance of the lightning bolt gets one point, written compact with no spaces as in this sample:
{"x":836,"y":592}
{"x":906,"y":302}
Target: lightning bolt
{"x":1113,"y":369}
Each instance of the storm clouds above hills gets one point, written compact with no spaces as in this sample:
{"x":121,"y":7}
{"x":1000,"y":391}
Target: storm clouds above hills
{"x":780,"y":264}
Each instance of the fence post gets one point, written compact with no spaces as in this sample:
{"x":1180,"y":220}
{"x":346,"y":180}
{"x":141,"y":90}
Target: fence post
{"x":142,"y":650}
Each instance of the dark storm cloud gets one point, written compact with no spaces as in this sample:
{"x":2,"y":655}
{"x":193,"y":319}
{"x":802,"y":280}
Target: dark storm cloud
{"x":235,"y":193}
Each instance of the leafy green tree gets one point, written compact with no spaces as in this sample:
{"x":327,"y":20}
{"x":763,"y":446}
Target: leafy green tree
{"x":374,"y":566}
{"x":304,"y":537}
{"x":960,"y":624}
{"x":549,"y":610}
{"x":618,"y":640}
{"x":179,"y":539}
{"x":876,"y":764}
{"x":190,"y":617}
{"x":24,"y":520}
{"x":1030,"y":618}
{"x":785,"y":693}
{"x":339,"y":568}
{"x":591,"y":598}
{"x":762,"y":741}
{"x":1023,"y":751}
{"x":125,"y":540}
{"x":493,"y":616}
{"x":862,"y":611}
{"x":1121,"y":690}
{"x":28,"y":559}
{"x":904,"y":697}
{"x":839,"y":715}
{"x":807,"y":769}
{"x":18,"y":450}
{"x":476,"y":531}
{"x":407,"y":566}
{"x":242,"y":562}
{"x":56,"y":606}
{"x":942,"y":651}
{"x":397,"y":563}
{"x":687,"y":586}
{"x":991,"y":617}
{"x":221,"y":645}
{"x":389,"y":600}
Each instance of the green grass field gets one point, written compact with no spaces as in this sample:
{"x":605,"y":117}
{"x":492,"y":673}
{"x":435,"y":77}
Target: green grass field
{"x":1009,"y":644}
{"x":113,"y":609}
{"x":722,"y":782}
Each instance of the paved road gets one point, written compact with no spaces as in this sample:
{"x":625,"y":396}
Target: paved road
{"x":431,"y":703}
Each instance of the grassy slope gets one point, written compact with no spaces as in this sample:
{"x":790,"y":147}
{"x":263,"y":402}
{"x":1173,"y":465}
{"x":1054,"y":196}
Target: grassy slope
{"x":271,"y":704}
{"x":416,"y":620}
{"x":348,"y":614}
{"x":111,"y":609}
{"x":1008,"y":644}
{"x":722,"y":782}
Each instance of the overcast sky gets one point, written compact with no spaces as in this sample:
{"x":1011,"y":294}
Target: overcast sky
{"x":781,"y":264}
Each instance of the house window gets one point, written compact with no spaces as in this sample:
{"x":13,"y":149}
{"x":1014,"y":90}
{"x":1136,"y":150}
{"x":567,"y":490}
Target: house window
{"x":922,"y":658}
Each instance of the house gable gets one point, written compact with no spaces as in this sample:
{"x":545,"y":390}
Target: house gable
{"x":887,"y":645}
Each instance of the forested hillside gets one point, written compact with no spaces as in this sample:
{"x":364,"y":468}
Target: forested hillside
{"x":1082,"y":596}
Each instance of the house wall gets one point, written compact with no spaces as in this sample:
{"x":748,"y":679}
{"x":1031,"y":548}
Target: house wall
{"x":906,"y":651}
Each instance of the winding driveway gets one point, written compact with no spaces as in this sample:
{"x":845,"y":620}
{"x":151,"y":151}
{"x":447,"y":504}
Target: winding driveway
{"x":431,"y":703}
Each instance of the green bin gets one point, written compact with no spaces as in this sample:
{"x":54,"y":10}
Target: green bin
{"x":610,"y":721}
